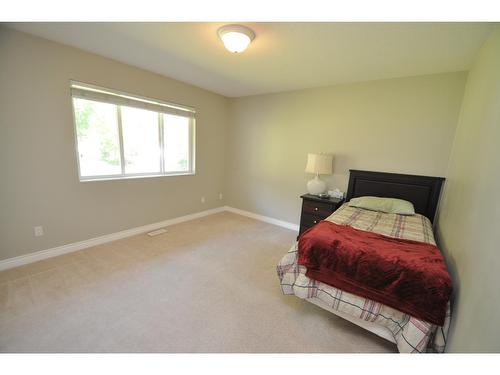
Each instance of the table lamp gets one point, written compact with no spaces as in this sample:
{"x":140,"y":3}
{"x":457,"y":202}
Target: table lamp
{"x":318,"y":164}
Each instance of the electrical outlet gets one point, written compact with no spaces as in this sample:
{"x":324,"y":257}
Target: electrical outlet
{"x":202,"y":199}
{"x":38,"y":231}
{"x":220,"y":196}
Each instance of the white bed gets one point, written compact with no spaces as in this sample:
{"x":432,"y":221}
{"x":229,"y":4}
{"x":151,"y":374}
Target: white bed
{"x":408,"y":333}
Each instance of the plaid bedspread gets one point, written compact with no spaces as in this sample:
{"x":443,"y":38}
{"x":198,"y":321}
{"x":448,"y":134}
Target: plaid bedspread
{"x":411,"y":335}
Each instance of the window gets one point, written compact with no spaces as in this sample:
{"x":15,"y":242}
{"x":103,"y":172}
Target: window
{"x":121,"y":136}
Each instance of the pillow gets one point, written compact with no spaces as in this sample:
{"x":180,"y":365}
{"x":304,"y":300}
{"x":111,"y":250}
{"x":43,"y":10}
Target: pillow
{"x":388,"y":205}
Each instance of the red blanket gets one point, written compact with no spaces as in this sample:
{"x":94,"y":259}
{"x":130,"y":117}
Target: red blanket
{"x":409,"y":276}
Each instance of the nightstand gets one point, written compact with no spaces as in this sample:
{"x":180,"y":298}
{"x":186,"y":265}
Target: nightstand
{"x":315,"y":209}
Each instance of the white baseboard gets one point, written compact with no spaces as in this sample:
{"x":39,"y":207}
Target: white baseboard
{"x":69,"y":248}
{"x":267,"y":219}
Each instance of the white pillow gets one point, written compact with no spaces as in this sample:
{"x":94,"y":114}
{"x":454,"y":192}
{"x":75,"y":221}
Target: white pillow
{"x":388,"y":205}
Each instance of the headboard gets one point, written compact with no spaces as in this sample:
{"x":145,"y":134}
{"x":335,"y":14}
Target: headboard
{"x":422,"y":191}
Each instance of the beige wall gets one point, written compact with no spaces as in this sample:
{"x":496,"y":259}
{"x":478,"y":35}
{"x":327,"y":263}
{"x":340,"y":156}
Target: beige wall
{"x":401,"y":125}
{"x":469,"y":219}
{"x":39,"y":179}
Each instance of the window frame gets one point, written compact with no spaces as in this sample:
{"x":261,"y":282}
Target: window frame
{"x":123,"y":175}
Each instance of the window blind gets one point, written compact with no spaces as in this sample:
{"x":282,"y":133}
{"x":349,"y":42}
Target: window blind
{"x":90,"y":92}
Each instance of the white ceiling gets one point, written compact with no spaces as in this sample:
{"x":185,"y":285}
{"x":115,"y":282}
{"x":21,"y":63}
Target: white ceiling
{"x":283,"y":56}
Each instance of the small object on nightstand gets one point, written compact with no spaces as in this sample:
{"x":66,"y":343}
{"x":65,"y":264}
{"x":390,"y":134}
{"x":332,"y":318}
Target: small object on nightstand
{"x":315,"y":209}
{"x":336,"y":193}
{"x":323,"y":196}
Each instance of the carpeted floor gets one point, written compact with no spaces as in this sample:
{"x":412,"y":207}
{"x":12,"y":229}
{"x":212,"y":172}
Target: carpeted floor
{"x":208,"y":285}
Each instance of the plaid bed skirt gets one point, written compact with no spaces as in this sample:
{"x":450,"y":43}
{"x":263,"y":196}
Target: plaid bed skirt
{"x":411,"y":335}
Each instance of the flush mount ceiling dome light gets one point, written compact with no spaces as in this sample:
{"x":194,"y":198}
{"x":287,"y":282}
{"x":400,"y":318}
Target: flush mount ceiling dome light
{"x":236,"y":38}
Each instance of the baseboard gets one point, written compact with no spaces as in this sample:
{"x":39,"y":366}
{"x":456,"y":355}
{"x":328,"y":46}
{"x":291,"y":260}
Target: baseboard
{"x":69,"y":248}
{"x":64,"y":249}
{"x":267,"y":219}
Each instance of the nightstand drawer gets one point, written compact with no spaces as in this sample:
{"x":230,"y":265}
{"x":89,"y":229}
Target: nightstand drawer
{"x":308,"y":220}
{"x":317,"y":208}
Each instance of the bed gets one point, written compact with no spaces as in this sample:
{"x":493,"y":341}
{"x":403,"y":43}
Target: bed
{"x":410,"y":334}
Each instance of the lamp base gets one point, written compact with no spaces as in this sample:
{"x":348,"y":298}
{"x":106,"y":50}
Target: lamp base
{"x":316,"y":186}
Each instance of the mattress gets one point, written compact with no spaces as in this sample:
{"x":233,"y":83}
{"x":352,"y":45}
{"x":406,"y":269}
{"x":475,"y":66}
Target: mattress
{"x":410,"y":334}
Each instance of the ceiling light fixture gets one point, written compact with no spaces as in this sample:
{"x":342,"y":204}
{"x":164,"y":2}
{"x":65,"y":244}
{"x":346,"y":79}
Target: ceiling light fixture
{"x":236,"y":38}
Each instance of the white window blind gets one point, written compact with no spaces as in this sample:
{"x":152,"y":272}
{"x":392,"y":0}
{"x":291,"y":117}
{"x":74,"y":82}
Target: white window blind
{"x":120,"y":135}
{"x":90,"y":92}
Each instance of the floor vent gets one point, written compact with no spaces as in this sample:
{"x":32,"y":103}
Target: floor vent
{"x":157,"y":232}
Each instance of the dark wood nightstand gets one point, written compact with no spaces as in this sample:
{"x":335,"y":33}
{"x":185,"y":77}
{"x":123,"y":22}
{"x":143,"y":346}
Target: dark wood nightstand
{"x":315,"y":209}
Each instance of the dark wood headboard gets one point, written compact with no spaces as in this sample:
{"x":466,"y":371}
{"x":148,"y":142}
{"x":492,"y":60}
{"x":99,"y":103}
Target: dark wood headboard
{"x":422,"y":191}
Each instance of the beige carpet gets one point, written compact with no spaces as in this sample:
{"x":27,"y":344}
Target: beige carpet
{"x":208,"y":285}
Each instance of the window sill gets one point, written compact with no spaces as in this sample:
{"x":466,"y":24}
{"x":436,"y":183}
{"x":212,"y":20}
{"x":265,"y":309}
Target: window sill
{"x":131,"y":177}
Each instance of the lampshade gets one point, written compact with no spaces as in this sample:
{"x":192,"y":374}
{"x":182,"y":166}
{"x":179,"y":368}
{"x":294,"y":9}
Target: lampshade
{"x":319,"y":163}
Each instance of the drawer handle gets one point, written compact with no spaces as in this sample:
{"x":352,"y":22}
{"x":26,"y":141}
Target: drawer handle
{"x":315,"y":222}
{"x":315,"y":208}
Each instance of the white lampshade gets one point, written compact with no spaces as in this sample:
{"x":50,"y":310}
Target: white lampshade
{"x":319,"y":163}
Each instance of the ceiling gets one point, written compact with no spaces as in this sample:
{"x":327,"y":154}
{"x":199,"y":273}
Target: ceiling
{"x":283,"y":56}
